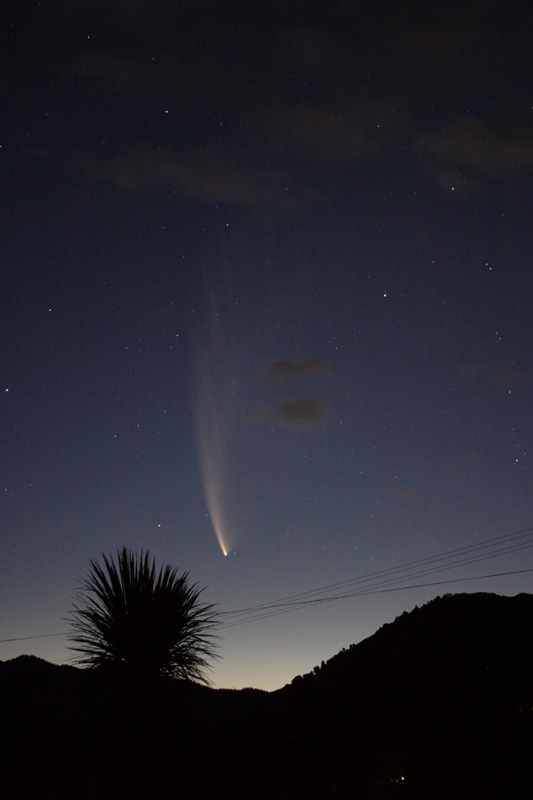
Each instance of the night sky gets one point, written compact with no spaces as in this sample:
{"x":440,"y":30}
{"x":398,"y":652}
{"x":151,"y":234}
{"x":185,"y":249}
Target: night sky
{"x":266,"y":308}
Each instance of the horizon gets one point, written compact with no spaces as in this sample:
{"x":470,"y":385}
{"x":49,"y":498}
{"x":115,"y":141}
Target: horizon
{"x":71,"y":660}
{"x":72,"y":663}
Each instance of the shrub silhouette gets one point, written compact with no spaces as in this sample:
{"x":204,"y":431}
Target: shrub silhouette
{"x":142,"y":623}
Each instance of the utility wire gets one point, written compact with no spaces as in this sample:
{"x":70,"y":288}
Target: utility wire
{"x":386,"y":580}
{"x":40,"y":636}
{"x":408,"y":567}
{"x":457,"y":556}
{"x":363,"y":592}
{"x":375,"y":587}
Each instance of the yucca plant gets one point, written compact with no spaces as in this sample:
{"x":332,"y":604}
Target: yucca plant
{"x":142,"y":623}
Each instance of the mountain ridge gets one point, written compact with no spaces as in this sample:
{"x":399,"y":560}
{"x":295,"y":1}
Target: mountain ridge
{"x":473,"y":633}
{"x":437,"y":703}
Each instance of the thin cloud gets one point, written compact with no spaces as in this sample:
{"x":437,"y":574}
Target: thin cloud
{"x":302,"y":413}
{"x":117,"y":74}
{"x":475,"y":150}
{"x":336,"y":135}
{"x":281,"y":369}
{"x":200,"y":175}
{"x":301,"y":100}
{"x":506,"y":377}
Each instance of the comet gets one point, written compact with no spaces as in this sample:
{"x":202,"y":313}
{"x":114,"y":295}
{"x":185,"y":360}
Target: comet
{"x":211,"y":457}
{"x":216,"y":417}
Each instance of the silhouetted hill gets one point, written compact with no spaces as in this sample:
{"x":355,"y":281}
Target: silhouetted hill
{"x":24,"y":666}
{"x":465,"y":647}
{"x":442,"y":697}
{"x":437,"y":704}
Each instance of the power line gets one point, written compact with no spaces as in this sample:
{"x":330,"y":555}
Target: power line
{"x":367,"y":591}
{"x":374,"y":582}
{"x":386,"y":580}
{"x":40,"y":636}
{"x":287,"y":608}
{"x":456,"y":553}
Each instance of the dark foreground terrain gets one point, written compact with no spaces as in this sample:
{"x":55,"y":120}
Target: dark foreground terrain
{"x":437,"y":704}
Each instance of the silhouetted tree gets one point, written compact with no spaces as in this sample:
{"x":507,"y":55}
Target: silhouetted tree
{"x":144,"y":623}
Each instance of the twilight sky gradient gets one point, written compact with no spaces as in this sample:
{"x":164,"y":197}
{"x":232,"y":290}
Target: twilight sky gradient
{"x":266,"y":291}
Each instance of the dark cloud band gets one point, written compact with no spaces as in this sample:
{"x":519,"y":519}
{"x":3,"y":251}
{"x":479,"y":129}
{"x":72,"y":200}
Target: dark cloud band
{"x":280,"y":369}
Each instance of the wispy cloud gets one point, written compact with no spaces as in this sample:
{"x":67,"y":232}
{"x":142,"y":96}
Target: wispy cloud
{"x":281,"y":369}
{"x":471,"y":151}
{"x":506,"y":377}
{"x":202,"y":174}
{"x":301,"y":413}
{"x":114,"y":73}
{"x":303,"y":108}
